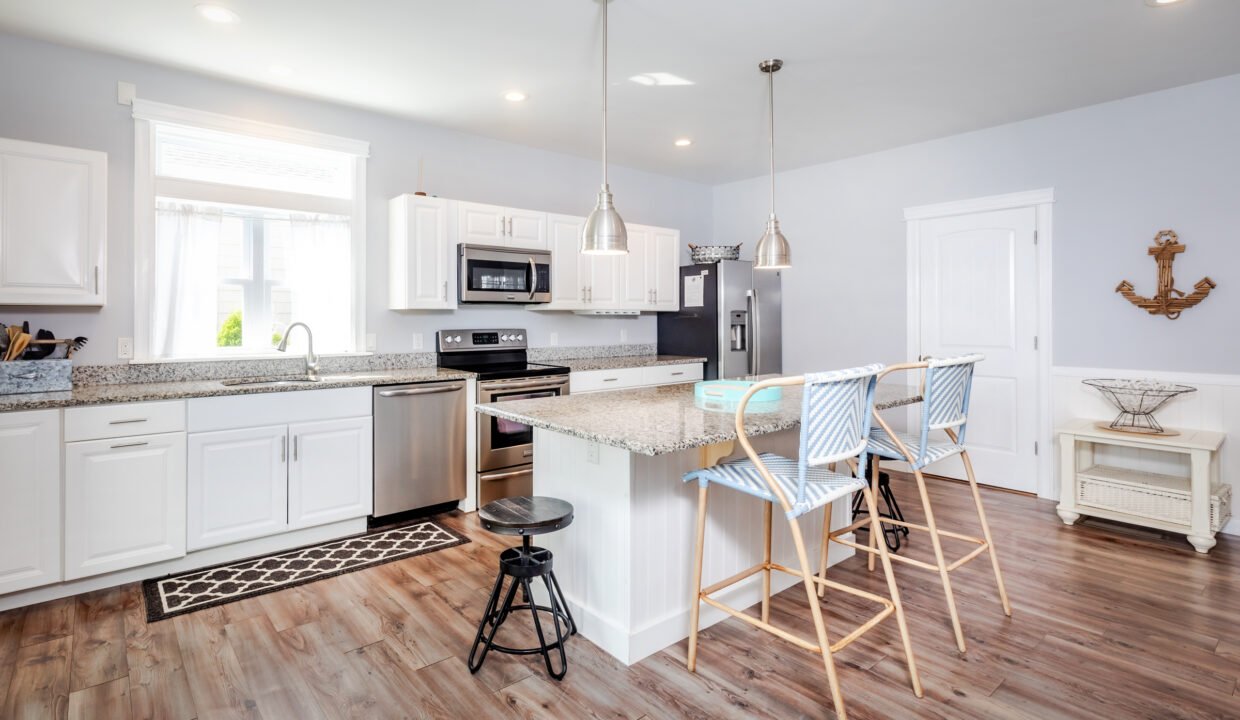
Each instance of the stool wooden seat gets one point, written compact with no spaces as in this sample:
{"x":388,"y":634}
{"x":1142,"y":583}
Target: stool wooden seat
{"x":525,"y":517}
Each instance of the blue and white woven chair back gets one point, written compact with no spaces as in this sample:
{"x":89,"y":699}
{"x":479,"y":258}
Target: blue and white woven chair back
{"x":835,"y":415}
{"x":948,"y":384}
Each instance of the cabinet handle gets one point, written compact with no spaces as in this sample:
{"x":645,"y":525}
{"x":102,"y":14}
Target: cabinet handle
{"x":445,"y":290}
{"x":583,"y":293}
{"x":132,"y":444}
{"x":295,"y":446}
{"x":284,"y":449}
{"x":610,"y":379}
{"x":678,"y":373}
{"x":126,"y":422}
{"x":96,"y":279}
{"x":509,"y":227}
{"x":591,"y":289}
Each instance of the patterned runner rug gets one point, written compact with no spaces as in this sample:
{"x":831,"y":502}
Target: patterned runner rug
{"x":207,"y":587}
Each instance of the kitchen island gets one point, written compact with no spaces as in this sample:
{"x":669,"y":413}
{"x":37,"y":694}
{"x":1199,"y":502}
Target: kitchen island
{"x":626,"y":561}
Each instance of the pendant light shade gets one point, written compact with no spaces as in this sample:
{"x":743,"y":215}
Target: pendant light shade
{"x":604,"y":232}
{"x":773,"y":251}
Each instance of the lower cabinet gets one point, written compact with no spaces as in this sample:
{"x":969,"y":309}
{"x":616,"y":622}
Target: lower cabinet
{"x":330,"y":478}
{"x":238,"y":485}
{"x":30,"y":539}
{"x":124,"y":503}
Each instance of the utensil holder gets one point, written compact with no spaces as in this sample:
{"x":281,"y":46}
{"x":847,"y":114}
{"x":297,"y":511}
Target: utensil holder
{"x":33,"y":376}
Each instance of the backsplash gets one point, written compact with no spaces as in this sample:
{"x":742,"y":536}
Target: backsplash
{"x":223,"y":369}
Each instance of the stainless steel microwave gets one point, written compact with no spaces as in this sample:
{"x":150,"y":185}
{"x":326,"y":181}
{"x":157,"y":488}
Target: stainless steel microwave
{"x":491,"y":274}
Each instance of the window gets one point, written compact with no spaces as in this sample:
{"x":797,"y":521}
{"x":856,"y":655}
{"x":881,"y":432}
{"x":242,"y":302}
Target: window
{"x":244,"y":228}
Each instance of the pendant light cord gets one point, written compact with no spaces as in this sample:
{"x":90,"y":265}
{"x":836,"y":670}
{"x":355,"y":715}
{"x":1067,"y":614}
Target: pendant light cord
{"x":770,"y":76}
{"x":605,"y":3}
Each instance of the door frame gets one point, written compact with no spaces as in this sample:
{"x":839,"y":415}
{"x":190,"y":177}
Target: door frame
{"x":1042,"y":201}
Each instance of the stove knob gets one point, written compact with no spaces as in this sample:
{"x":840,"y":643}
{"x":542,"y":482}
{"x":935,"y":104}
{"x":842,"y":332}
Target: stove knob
{"x":504,"y":338}
{"x":456,"y":339}
{"x":520,"y":338}
{"x":447,"y":339}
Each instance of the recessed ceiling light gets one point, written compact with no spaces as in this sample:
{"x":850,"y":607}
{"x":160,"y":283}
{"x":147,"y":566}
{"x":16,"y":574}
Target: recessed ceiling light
{"x":514,"y":96}
{"x":280,"y":70}
{"x":683,"y":142}
{"x":217,"y":13}
{"x":1161,"y":3}
{"x":659,"y":78}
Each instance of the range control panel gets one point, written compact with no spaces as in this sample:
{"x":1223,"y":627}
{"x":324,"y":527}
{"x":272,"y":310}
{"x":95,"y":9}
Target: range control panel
{"x":512,"y":339}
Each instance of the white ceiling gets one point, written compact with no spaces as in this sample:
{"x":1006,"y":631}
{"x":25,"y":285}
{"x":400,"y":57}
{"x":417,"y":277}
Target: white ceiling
{"x":860,"y":75}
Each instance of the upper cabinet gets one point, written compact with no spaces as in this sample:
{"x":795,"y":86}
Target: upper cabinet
{"x":421,"y":254}
{"x":508,"y":227}
{"x":425,"y":232}
{"x":53,"y":224}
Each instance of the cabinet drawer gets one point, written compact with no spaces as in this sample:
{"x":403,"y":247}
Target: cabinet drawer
{"x":111,"y":421}
{"x":671,"y":374}
{"x":595,"y":380}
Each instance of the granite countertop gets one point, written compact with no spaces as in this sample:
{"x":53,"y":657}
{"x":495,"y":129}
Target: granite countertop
{"x":629,"y":361}
{"x":140,"y":392}
{"x":661,"y":420}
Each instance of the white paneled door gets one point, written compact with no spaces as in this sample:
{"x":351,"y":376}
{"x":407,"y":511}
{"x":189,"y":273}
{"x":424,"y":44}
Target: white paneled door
{"x":978,"y":292}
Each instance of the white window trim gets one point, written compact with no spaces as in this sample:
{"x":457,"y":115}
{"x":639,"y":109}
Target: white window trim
{"x":146,"y":114}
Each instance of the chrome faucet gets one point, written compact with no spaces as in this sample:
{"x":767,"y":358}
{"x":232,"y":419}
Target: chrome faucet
{"x":312,"y":360}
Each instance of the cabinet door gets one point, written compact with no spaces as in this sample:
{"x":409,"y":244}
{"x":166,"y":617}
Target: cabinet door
{"x":663,"y":268}
{"x":606,"y":280}
{"x":569,"y":268}
{"x":124,"y":503}
{"x":330,"y":477}
{"x":526,"y":229}
{"x":637,"y":288}
{"x":30,"y":509}
{"x":238,"y":485}
{"x":421,"y":254}
{"x":53,"y":224}
{"x":481,"y":224}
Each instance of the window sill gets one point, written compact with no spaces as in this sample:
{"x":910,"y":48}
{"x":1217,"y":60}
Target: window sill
{"x":254,"y":356}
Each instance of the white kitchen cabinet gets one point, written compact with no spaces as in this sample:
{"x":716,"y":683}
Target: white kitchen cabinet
{"x":587,"y":381}
{"x":124,"y":503}
{"x":421,"y":254}
{"x":663,"y":269}
{"x":482,"y":224}
{"x":53,"y":224}
{"x":636,"y":288}
{"x":330,"y":477}
{"x":238,"y":485}
{"x":569,"y":268}
{"x":30,"y":540}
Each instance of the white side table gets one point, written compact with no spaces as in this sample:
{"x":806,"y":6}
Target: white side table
{"x":1197,"y":504}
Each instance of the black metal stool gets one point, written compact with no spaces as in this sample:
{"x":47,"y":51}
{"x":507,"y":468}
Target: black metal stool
{"x":526,"y":517}
{"x":891,"y":533}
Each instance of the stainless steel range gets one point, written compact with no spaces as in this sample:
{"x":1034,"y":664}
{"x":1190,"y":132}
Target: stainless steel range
{"x":505,"y":448}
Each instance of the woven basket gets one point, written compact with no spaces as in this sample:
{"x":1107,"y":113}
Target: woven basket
{"x":1165,"y":504}
{"x":713,"y":253}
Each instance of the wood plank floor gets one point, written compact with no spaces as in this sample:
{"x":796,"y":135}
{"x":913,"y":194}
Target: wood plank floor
{"x":1110,"y":622}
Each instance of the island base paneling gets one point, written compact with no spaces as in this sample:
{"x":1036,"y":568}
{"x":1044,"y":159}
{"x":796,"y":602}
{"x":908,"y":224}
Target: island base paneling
{"x":626,"y":561}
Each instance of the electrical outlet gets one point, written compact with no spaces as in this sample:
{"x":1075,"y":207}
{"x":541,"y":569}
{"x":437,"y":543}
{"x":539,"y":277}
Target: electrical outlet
{"x":624,"y":336}
{"x":419,"y":341}
{"x":372,"y":342}
{"x":592,"y":453}
{"x":555,"y":338}
{"x":124,"y":348}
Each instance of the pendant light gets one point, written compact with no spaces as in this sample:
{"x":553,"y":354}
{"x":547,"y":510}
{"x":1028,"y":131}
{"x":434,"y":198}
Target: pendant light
{"x":604,"y":232}
{"x":773,"y":252}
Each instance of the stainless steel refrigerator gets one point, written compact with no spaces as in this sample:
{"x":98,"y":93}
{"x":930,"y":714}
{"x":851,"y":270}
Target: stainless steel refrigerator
{"x":729,"y":314}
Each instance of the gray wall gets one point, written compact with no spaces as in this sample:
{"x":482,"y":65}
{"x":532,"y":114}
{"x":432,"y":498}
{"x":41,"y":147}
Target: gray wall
{"x":1121,"y":171}
{"x":54,"y":94}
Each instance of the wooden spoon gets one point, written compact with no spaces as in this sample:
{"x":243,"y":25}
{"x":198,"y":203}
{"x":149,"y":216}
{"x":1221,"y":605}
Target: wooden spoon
{"x":18,"y":346}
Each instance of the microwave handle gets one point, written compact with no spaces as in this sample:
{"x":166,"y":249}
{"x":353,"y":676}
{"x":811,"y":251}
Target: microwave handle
{"x":533,"y":278}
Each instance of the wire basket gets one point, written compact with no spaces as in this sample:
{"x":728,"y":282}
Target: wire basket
{"x":1137,"y":401}
{"x":713,"y":253}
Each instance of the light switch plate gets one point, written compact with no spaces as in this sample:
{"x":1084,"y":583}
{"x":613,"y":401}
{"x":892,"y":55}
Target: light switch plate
{"x":419,"y":341}
{"x":125,"y":93}
{"x":372,"y":342}
{"x":624,"y":336}
{"x":124,"y":348}
{"x":555,"y":338}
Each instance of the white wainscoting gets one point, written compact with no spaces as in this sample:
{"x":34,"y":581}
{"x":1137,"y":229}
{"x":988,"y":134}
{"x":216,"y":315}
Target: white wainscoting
{"x":1215,"y":406}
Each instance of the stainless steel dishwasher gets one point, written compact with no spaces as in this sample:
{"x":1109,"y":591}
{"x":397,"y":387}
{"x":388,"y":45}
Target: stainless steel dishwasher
{"x":419,"y":445}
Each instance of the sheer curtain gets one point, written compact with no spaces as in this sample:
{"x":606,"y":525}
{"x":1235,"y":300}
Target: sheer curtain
{"x":186,"y":277}
{"x":320,"y":278}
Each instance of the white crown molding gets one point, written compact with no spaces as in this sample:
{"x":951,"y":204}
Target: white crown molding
{"x":176,"y":115}
{"x":1030,"y":198}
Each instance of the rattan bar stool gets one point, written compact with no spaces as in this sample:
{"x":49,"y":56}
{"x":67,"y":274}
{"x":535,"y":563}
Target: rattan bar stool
{"x":836,"y":408}
{"x":946,"y":386}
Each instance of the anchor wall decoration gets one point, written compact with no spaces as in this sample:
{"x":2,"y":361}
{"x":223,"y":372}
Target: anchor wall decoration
{"x":1168,"y":301}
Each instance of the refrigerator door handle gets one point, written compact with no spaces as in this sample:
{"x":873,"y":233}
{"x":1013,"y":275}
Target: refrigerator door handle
{"x":755,"y":322}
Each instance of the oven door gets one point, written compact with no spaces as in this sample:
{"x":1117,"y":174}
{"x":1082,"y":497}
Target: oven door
{"x":504,"y":443}
{"x":504,"y":275}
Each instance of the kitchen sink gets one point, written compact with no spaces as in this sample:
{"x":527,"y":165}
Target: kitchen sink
{"x":276,"y":381}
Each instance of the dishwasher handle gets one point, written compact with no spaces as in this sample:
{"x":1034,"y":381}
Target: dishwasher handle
{"x":420,"y":391}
